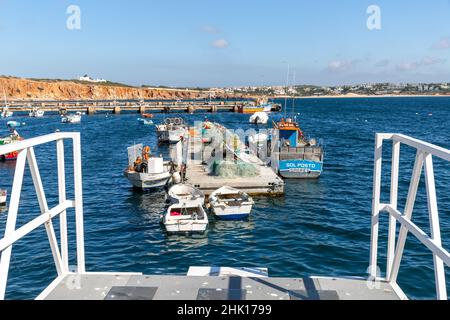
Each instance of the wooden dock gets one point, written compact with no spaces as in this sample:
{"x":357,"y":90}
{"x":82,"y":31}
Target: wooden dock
{"x":137,"y":106}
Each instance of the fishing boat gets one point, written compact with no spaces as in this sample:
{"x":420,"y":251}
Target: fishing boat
{"x":186,"y":217}
{"x":230,"y":204}
{"x":13,"y":137}
{"x":7,"y":140}
{"x":252,"y":109}
{"x":259,"y":118}
{"x":146,"y":172}
{"x":297,"y":156}
{"x":261,"y":105}
{"x":72,"y":118}
{"x":5,"y":113}
{"x":36,"y":113}
{"x":3,"y":197}
{"x":171,"y":131}
{"x":182,"y":193}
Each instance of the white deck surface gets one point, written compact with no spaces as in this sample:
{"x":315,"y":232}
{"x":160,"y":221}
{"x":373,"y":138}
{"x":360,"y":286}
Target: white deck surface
{"x":158,"y":287}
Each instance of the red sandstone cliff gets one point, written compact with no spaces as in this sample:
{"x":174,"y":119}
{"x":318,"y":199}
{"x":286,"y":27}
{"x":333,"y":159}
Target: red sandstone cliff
{"x":25,"y":89}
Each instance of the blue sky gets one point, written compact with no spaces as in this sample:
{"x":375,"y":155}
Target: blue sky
{"x":227,"y":43}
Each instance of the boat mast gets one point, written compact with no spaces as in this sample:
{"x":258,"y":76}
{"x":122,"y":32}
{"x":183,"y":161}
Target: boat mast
{"x":293,"y":98}
{"x":6,"y":101}
{"x":285,"y":94}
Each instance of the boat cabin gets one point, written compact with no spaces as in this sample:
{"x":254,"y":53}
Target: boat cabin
{"x":290,"y":133}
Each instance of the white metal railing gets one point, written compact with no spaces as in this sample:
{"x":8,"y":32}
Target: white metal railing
{"x":60,"y":252}
{"x":395,"y":246}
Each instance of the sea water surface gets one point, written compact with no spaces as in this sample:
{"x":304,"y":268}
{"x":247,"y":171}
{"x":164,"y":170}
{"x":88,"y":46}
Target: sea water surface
{"x":320,"y":227}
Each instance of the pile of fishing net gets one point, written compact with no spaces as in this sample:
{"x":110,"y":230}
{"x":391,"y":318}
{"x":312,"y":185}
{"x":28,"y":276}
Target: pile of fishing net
{"x":231,"y":169}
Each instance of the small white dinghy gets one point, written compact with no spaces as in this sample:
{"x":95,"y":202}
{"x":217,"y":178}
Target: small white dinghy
{"x":72,"y":118}
{"x":185,"y":218}
{"x":3,"y":196}
{"x":230,"y":204}
{"x":259,"y":118}
{"x":36,"y":113}
{"x":183,"y":193}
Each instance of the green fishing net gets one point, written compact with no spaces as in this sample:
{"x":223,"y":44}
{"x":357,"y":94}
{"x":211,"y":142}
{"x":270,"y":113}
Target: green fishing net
{"x":231,"y":169}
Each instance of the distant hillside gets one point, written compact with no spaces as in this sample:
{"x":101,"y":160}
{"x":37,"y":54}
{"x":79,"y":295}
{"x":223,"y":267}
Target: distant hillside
{"x":57,"y":89}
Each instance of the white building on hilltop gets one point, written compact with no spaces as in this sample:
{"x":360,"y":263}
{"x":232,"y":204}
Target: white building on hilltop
{"x":89,"y":79}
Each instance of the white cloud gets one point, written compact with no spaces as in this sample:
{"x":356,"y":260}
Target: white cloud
{"x":341,"y":65}
{"x":408,"y":66}
{"x":428,"y":61}
{"x":211,"y":29}
{"x":383,"y":63}
{"x":220,"y":44}
{"x":444,"y":43}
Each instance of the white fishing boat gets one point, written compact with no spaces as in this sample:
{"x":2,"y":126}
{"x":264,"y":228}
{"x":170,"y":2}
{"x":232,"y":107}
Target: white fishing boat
{"x":185,"y":218}
{"x":171,"y":131}
{"x":72,"y":118}
{"x":3,"y":197}
{"x":5,"y":113}
{"x":36,"y":113}
{"x":230,"y":204}
{"x":146,"y":172}
{"x":259,"y":118}
{"x":182,"y":193}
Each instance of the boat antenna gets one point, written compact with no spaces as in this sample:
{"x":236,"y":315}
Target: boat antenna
{"x":285,"y":94}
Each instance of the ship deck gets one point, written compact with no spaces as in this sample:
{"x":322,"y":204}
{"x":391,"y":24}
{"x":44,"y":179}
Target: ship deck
{"x":103,"y":286}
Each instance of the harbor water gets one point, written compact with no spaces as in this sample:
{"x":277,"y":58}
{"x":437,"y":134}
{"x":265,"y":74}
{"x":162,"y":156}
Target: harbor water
{"x":320,"y":227}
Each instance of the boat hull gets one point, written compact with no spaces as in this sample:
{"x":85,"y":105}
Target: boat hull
{"x":162,"y":133}
{"x":300,"y":169}
{"x":147,"y":181}
{"x":186,"y":227}
{"x":240,"y":212}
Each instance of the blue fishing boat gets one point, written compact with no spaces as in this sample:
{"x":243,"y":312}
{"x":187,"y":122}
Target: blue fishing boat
{"x":297,"y":156}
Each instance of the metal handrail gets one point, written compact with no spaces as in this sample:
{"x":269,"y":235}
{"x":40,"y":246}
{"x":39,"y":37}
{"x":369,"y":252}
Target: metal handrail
{"x":395,"y":246}
{"x":12,"y":235}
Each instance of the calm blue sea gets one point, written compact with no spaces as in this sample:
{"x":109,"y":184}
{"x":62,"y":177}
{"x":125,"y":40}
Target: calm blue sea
{"x":318,"y":228}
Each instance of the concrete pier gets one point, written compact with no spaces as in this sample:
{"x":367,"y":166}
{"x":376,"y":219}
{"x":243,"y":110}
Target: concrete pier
{"x":122,"y":286}
{"x":137,"y":106}
{"x":267,"y":183}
